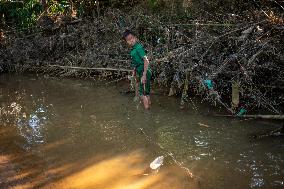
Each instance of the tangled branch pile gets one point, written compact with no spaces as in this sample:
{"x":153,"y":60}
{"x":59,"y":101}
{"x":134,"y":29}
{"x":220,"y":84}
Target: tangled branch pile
{"x":243,"y":51}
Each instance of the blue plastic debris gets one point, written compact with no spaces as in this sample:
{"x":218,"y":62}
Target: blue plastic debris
{"x":242,"y":112}
{"x":208,"y":83}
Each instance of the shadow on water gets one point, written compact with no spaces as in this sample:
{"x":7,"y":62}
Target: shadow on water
{"x":62,"y":133}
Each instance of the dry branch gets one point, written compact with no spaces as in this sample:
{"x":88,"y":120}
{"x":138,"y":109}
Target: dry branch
{"x":87,"y":68}
{"x":276,"y":117}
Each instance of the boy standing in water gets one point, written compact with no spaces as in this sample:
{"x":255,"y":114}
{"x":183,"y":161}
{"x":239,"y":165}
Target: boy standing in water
{"x":140,"y":65}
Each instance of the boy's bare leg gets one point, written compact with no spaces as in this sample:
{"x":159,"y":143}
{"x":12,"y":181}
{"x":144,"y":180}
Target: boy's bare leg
{"x":136,"y":98}
{"x":149,"y":100}
{"x":145,"y":102}
{"x":137,"y":88}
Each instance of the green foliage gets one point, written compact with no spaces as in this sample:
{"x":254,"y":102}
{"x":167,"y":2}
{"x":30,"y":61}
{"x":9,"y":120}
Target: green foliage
{"x":153,"y":3}
{"x":57,"y":7}
{"x":23,"y":14}
{"x":156,"y":5}
{"x":26,"y":13}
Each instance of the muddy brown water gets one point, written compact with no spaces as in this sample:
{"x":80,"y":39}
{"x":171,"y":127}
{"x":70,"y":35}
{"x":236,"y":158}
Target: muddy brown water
{"x":68,"y":133}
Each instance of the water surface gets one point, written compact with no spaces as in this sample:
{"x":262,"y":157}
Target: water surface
{"x":68,"y":133}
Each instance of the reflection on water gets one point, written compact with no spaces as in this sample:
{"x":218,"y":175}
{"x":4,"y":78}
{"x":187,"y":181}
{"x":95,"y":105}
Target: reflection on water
{"x":201,"y":141}
{"x":28,"y":112}
{"x":257,"y":179}
{"x":32,"y":127}
{"x":72,"y":134}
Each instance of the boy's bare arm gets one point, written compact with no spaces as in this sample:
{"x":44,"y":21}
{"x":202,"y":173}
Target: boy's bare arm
{"x":146,"y":64}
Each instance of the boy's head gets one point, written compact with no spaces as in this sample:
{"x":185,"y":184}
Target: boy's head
{"x":129,"y":37}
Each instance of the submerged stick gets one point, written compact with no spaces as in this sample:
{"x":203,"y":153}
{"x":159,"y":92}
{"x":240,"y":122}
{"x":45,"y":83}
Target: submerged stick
{"x":203,"y":125}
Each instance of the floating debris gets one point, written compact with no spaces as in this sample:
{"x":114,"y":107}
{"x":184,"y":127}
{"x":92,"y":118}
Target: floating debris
{"x":203,"y":125}
{"x":242,"y":112}
{"x":208,"y":83}
{"x":157,"y":163}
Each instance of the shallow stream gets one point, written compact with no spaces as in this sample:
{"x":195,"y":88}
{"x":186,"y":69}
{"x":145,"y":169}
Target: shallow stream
{"x":69,"y":133}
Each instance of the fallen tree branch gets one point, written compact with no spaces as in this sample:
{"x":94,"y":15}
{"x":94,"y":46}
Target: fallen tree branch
{"x":278,"y":117}
{"x":89,"y":68}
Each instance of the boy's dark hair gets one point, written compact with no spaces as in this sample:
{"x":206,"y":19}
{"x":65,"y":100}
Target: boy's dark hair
{"x":127,"y":33}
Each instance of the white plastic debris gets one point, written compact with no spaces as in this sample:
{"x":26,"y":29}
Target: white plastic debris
{"x":157,"y":163}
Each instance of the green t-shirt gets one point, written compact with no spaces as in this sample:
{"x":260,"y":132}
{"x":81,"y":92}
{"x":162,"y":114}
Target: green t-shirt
{"x":137,"y":54}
